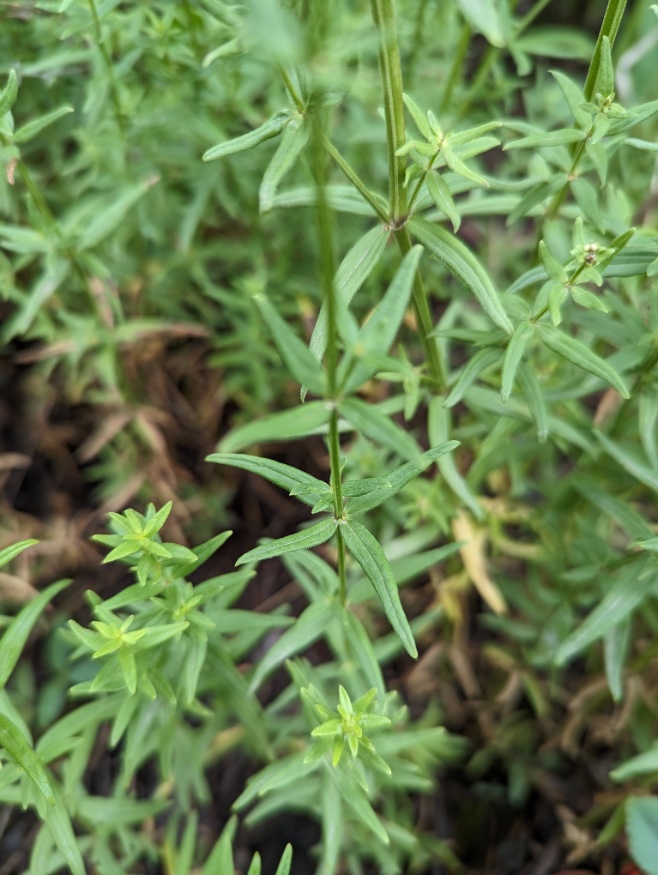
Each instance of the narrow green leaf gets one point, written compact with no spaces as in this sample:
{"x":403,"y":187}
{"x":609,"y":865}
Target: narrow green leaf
{"x":580,"y":355}
{"x":480,"y":362}
{"x":355,"y":797}
{"x":299,"y":360}
{"x":369,"y":420}
{"x":21,"y":751}
{"x":440,"y":194}
{"x":221,"y":856}
{"x":254,"y":866}
{"x":551,"y":265}
{"x":615,"y":649}
{"x":10,"y":552}
{"x":399,"y":478}
{"x":629,"y":462}
{"x":59,"y":823}
{"x":587,"y":299}
{"x":534,"y":398}
{"x":271,"y":128}
{"x":304,"y":540}
{"x":544,"y":140}
{"x":310,"y":625}
{"x":284,"y":426}
{"x":286,"y":862}
{"x":642,"y":830}
{"x":282,"y":475}
{"x":645,"y":763}
{"x":419,"y":117}
{"x":632,"y":585}
{"x":31,"y":129}
{"x":294,"y":139}
{"x":462,"y":264}
{"x":108,"y":219}
{"x":352,"y":272}
{"x":368,"y":553}
{"x":574,"y":97}
{"x":535,"y":196}
{"x":605,"y":77}
{"x":455,"y":163}
{"x":513,"y":355}
{"x":16,"y":634}
{"x":9,"y":93}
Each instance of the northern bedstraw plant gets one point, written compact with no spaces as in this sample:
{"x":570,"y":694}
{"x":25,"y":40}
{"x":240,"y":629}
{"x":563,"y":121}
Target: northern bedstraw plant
{"x":538,"y":405}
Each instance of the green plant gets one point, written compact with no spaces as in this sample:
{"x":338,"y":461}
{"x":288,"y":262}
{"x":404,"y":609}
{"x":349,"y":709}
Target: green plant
{"x":480,"y":381}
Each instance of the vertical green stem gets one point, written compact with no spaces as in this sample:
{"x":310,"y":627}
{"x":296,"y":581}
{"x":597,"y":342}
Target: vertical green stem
{"x":383,"y":12}
{"x":327,"y":268}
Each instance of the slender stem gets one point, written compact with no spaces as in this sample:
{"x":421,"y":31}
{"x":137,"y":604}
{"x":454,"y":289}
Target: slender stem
{"x":383,"y":12}
{"x":417,"y":42}
{"x":422,"y":178}
{"x":292,"y":90}
{"x":367,"y":195}
{"x":391,"y":75}
{"x":329,"y":290}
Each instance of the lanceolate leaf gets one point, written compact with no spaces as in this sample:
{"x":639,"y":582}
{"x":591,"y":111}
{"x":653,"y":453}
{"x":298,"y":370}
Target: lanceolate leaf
{"x":287,"y":425}
{"x":462,"y":264}
{"x":293,"y":141}
{"x":295,"y":354}
{"x":369,"y":420}
{"x":20,"y":750}
{"x":10,"y":552}
{"x":513,"y":355}
{"x":271,"y":128}
{"x":59,"y":824}
{"x":366,"y":550}
{"x":16,"y":634}
{"x":31,"y":129}
{"x":534,"y":398}
{"x":285,"y":476}
{"x":581,"y":356}
{"x":480,"y":362}
{"x":380,"y":330}
{"x":399,"y":478}
{"x":304,"y":540}
{"x":632,"y":586}
{"x":615,"y":649}
{"x":352,"y":272}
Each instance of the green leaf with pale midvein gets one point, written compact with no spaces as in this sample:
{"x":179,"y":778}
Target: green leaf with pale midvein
{"x":16,"y":634}
{"x":282,"y":475}
{"x":368,"y":553}
{"x":352,"y":272}
{"x":21,"y":751}
{"x":632,"y":586}
{"x":304,"y":540}
{"x":286,"y":425}
{"x":615,"y":649}
{"x":582,"y":356}
{"x":294,"y":353}
{"x":59,"y":823}
{"x":463,"y":265}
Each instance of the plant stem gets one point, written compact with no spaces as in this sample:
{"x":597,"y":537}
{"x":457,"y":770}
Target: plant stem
{"x":383,"y":12}
{"x":329,"y":292}
{"x":356,"y":181}
{"x":609,"y":27}
{"x":456,"y":68}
